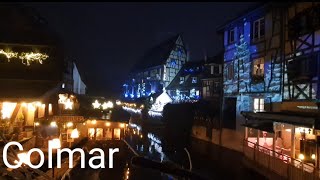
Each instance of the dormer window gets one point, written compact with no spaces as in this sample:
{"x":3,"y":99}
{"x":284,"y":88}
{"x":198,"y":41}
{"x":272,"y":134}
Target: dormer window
{"x":181,"y":80}
{"x":194,"y":80}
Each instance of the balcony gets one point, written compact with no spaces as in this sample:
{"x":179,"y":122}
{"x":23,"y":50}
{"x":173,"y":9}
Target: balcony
{"x":279,"y":162}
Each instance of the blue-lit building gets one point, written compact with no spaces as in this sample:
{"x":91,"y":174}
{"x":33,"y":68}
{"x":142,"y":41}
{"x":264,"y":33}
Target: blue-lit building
{"x":272,"y":87}
{"x":197,"y":80}
{"x":186,"y":86}
{"x":156,"y":69}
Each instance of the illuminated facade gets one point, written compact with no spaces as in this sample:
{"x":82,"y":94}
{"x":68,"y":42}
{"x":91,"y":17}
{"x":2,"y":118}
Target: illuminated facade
{"x":272,"y":78}
{"x":78,"y":85}
{"x":156,"y":69}
{"x":186,"y":86}
{"x":252,"y":66}
{"x":32,"y":72}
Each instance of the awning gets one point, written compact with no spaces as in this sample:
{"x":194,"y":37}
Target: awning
{"x":284,"y":117}
{"x":264,"y":126}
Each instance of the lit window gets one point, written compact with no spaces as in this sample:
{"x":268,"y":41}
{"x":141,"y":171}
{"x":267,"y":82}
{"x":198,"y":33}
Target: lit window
{"x":194,"y":79}
{"x":258,"y":104}
{"x":258,"y":28}
{"x":258,"y":67}
{"x":231,"y":36}
{"x":197,"y":92}
{"x":181,"y":80}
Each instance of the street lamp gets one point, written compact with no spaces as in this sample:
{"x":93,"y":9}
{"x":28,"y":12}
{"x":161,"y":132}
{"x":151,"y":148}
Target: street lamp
{"x":54,"y":144}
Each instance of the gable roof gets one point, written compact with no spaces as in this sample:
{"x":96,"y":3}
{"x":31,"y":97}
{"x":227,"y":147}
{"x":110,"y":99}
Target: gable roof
{"x":187,"y":74}
{"x":157,"y":55}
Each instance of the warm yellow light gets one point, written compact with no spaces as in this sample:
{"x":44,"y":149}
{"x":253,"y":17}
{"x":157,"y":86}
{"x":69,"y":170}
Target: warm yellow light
{"x":9,"y":54}
{"x":63,"y":98}
{"x":301,"y":156}
{"x":96,"y":104}
{"x":38,"y":103}
{"x":142,"y":106}
{"x":313,"y":156}
{"x":74,"y":134}
{"x":69,"y":124}
{"x":7,"y":109}
{"x":53,"y":124}
{"x":24,"y":104}
{"x":68,"y":104}
{"x":93,"y":122}
{"x":83,"y":123}
{"x":108,"y":124}
{"x":118,"y":102}
{"x":31,"y":107}
{"x":36,"y":124}
{"x":37,"y":57}
{"x":107,"y":105}
{"x":141,"y":136}
{"x":122,"y":125}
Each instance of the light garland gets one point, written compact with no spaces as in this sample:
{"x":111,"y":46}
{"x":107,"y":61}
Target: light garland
{"x":38,"y":57}
{"x":26,"y":57}
{"x":9,"y":54}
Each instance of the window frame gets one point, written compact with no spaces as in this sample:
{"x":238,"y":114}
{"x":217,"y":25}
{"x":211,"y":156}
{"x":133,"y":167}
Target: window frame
{"x":259,"y":36}
{"x":229,"y":36}
{"x":260,"y":105}
{"x":262,"y":61}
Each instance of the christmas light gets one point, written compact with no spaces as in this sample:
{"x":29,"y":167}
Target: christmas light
{"x":37,"y":57}
{"x":96,"y":104}
{"x":9,"y":54}
{"x":68,"y":104}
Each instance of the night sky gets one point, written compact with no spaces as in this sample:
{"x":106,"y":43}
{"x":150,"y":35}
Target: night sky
{"x":106,"y":39}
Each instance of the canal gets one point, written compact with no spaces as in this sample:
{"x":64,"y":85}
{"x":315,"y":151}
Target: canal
{"x":207,"y":159}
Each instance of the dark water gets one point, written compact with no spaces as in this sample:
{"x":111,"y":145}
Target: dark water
{"x":209,"y":160}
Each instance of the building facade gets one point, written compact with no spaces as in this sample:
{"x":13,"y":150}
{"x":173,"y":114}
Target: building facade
{"x":156,"y":69}
{"x":186,"y":85}
{"x":271,"y":78}
{"x":78,"y":85}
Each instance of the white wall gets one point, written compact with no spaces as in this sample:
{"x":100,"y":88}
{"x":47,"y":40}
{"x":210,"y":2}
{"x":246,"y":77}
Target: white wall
{"x":78,"y":86}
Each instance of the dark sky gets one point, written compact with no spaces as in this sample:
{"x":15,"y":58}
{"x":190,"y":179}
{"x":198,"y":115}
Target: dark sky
{"x":106,"y":39}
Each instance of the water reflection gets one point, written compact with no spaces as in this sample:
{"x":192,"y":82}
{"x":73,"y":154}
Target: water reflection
{"x":152,"y":142}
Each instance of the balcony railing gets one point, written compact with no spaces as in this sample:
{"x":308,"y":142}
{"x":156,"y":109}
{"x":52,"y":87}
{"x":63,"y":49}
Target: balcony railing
{"x":280,"y":163}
